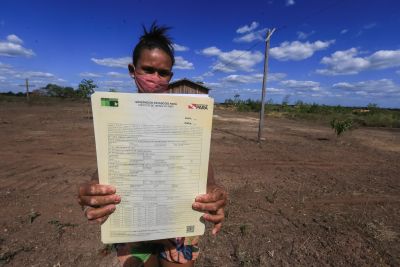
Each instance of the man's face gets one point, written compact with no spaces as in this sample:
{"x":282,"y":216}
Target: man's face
{"x":154,"y":61}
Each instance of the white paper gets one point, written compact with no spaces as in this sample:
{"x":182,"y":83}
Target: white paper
{"x":154,"y":148}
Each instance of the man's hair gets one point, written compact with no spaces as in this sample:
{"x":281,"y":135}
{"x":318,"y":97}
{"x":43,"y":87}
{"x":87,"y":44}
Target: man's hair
{"x":155,"y":37}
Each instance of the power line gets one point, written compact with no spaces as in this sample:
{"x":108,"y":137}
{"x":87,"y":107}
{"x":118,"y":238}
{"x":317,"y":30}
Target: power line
{"x":231,"y":62}
{"x":312,"y":14}
{"x":285,"y":26}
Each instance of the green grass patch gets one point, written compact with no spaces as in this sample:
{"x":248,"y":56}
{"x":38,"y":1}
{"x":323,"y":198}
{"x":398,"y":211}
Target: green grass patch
{"x":370,"y":116}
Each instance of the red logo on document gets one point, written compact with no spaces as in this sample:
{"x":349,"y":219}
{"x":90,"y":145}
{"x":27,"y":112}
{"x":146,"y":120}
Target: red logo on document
{"x":197,"y":106}
{"x":192,"y":106}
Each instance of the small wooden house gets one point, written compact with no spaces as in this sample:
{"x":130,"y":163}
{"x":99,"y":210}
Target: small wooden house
{"x":186,"y":86}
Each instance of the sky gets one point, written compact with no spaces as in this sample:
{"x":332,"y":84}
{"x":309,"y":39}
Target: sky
{"x":334,"y":52}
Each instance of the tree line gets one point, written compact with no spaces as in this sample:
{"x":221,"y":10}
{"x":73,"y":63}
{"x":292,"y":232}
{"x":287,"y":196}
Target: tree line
{"x":84,"y":90}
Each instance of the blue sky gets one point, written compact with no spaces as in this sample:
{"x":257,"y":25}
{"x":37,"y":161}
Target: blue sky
{"x":328,"y":52}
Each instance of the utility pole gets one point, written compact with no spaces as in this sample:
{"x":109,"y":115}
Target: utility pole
{"x":27,"y":85}
{"x":27,"y":89}
{"x":261,"y":124}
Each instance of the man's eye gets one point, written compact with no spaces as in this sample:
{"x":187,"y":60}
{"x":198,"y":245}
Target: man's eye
{"x":163,"y":73}
{"x":149,"y":70}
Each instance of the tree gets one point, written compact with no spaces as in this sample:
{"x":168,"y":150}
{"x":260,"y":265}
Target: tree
{"x":86,"y":88}
{"x":53,"y":90}
{"x":236,"y":99}
{"x":285,"y":100}
{"x":69,"y":92}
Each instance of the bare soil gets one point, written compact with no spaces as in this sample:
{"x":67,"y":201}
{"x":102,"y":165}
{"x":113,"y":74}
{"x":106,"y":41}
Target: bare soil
{"x":302,"y":198}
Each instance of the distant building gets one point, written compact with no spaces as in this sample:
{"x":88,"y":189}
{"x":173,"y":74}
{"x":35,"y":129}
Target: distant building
{"x":186,"y":86}
{"x":39,"y":92}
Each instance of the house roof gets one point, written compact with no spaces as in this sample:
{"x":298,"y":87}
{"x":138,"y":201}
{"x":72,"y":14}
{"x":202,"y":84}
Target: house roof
{"x":187,"y":81}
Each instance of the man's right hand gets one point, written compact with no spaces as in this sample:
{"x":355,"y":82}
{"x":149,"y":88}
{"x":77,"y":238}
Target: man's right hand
{"x":99,"y":201}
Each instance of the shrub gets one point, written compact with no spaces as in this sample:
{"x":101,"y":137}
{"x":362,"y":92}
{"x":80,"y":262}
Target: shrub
{"x":340,"y":126}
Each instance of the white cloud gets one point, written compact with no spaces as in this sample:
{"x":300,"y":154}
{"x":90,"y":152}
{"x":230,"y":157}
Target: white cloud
{"x":116,"y":84}
{"x":377,"y":88}
{"x":247,"y":28}
{"x":4,"y":66}
{"x":213,"y":85}
{"x":253,"y":78}
{"x":183,"y":64}
{"x":233,"y":60}
{"x":297,"y":50}
{"x":304,"y":35}
{"x":12,"y":47}
{"x":343,"y":85}
{"x":252,"y":36}
{"x":16,"y":78}
{"x":211,"y":51}
{"x":348,"y":62}
{"x":365,"y":28}
{"x":180,"y":48}
{"x":89,"y":75}
{"x":36,"y":77}
{"x":343,"y":62}
{"x":370,"y":26}
{"x":301,"y":85}
{"x":34,"y":74}
{"x":121,"y":62}
{"x":383,"y":59}
{"x":276,"y":91}
{"x":12,"y":38}
{"x":344,"y":31}
{"x":117,"y":74}
{"x":290,"y":2}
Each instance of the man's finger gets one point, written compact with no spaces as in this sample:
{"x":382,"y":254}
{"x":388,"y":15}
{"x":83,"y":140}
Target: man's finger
{"x":209,"y":207}
{"x":92,"y":214}
{"x":217,"y":228}
{"x":99,"y":200}
{"x":96,"y":190}
{"x":99,"y":220}
{"x":211,"y":197}
{"x":215,"y":218}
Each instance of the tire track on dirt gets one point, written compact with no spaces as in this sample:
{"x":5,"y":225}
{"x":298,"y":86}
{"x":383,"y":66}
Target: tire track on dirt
{"x":351,"y":201}
{"x":298,"y":163}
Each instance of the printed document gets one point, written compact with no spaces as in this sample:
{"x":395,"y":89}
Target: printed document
{"x":154,"y":148}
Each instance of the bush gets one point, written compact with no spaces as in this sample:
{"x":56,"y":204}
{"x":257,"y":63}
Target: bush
{"x":340,"y":126}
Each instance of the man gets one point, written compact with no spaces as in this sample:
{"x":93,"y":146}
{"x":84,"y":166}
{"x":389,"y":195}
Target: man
{"x":151,"y":68}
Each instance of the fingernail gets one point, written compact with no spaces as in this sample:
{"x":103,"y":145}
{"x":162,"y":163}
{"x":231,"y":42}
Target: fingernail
{"x":195,"y":205}
{"x":112,"y":209}
{"x":117,"y":199}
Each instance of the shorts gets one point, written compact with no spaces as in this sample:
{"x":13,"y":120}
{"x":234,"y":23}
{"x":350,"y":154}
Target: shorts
{"x":177,"y":250}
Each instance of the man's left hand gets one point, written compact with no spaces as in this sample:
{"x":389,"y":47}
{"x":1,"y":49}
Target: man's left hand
{"x":212,"y":204}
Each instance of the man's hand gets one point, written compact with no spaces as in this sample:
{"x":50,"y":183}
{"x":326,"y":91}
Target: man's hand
{"x":212,"y":204}
{"x":98,"y":201}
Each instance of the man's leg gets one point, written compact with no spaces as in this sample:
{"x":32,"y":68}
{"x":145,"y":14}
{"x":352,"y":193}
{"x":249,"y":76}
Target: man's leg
{"x":165,"y":263}
{"x":136,"y":255}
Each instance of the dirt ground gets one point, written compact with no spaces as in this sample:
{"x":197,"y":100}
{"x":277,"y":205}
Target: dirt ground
{"x":302,"y":198}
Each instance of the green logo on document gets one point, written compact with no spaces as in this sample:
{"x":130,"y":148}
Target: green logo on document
{"x":109,"y":102}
